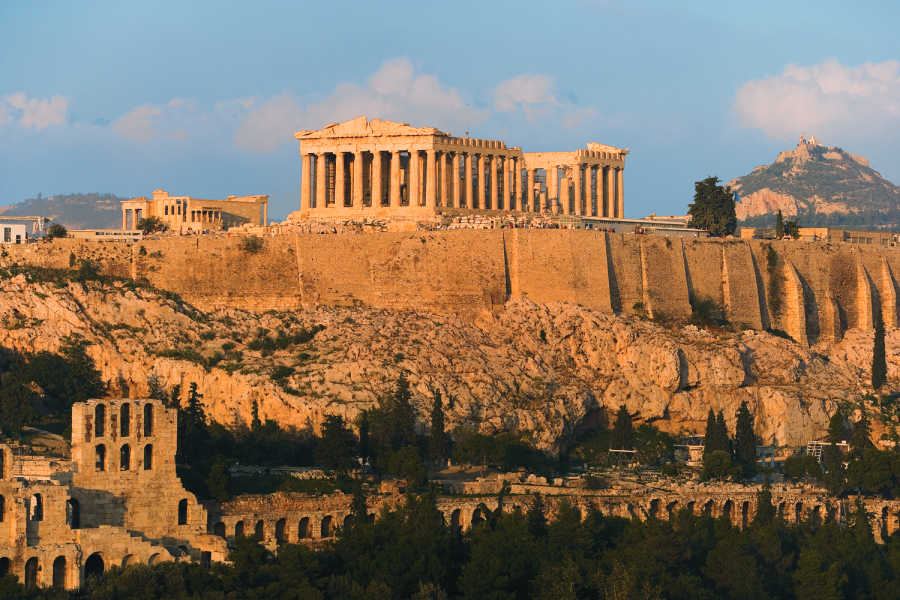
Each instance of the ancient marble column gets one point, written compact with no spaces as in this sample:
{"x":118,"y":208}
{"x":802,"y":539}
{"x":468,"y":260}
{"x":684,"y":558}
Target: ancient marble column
{"x":469,"y":195}
{"x":124,"y":218}
{"x":340,"y":194}
{"x":394,"y":200}
{"x":444,"y":178}
{"x":305,"y":185}
{"x":552,"y":185}
{"x":454,"y":178}
{"x":480,"y":192}
{"x":512,"y":162}
{"x":588,"y":192}
{"x":430,"y":178}
{"x":415,"y":177}
{"x":576,"y":184}
{"x":529,"y":192}
{"x":620,"y":192}
{"x":358,"y":190}
{"x":377,"y":186}
{"x":321,"y":169}
{"x":494,"y":200}
{"x":611,"y":191}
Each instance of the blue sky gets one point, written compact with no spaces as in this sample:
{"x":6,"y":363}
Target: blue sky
{"x":202,"y":98}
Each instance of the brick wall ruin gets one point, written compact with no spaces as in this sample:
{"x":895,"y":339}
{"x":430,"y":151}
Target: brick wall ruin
{"x":813,"y":290}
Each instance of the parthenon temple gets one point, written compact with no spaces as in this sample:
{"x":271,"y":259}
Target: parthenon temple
{"x":385,"y":169}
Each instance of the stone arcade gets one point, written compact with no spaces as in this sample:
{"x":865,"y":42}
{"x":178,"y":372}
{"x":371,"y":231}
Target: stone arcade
{"x":118,"y":502}
{"x":383,"y":169}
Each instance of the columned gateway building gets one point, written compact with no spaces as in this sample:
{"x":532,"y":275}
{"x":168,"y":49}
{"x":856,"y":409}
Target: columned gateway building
{"x":364,"y":168}
{"x":184,"y":212}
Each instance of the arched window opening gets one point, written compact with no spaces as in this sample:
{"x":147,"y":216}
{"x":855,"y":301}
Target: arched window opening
{"x":4,"y":566}
{"x":148,"y":457}
{"x":100,"y":462}
{"x":183,"y":512}
{"x":326,"y":527}
{"x":37,"y":508}
{"x":2,"y":507}
{"x":348,"y":522}
{"x":476,"y":517}
{"x":370,"y":518}
{"x":154,"y":559}
{"x":454,"y":521}
{"x":219,"y":529}
{"x":94,"y":565}
{"x":2,"y":464}
{"x":73,"y":513}
{"x":148,"y":419}
{"x":238,"y":528}
{"x":125,"y":420}
{"x":31,"y":569}
{"x":279,"y":532}
{"x":303,"y":528}
{"x":125,"y":458}
{"x":260,"y":532}
{"x":129,"y":560}
{"x":59,"y":572}
{"x":100,"y":420}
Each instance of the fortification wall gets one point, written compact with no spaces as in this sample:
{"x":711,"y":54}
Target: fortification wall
{"x":815,"y":291}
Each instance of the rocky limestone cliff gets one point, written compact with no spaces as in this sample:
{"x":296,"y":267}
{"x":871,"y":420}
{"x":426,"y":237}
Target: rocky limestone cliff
{"x":551,"y":370}
{"x":824,"y":186}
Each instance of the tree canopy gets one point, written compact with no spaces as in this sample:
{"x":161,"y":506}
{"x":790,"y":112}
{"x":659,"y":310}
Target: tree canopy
{"x":713,"y":208}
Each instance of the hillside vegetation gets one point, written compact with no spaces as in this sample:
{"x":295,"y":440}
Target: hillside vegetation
{"x":74,"y":211}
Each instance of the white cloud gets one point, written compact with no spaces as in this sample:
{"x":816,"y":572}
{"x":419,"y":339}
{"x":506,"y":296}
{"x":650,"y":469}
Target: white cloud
{"x":830,"y":100}
{"x":395,"y":92}
{"x":39,"y":113}
{"x":137,"y":124}
{"x":3,"y":116}
{"x":527,"y":88}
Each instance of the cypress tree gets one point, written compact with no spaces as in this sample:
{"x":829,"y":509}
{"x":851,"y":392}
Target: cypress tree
{"x":836,"y":427}
{"x":835,"y":477}
{"x":709,"y":441}
{"x":437,"y":440}
{"x":879,"y":362}
{"x":745,"y":436}
{"x":722,"y":439}
{"x":623,"y":432}
{"x":364,"y":436}
{"x":779,"y":225}
{"x":765,"y":510}
{"x":860,"y":440}
{"x":358,"y":508}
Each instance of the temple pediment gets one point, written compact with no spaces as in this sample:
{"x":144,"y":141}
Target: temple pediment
{"x":361,"y":126}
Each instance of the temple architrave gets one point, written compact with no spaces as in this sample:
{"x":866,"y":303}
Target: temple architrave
{"x":186,"y":213}
{"x":383,"y":169}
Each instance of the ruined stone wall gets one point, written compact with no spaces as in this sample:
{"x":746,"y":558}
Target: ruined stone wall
{"x":821,"y":289}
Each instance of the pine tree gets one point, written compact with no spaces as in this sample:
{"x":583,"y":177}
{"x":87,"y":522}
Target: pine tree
{"x":623,"y":432}
{"x":713,"y":208}
{"x":765,"y":510}
{"x":745,"y":436}
{"x":860,"y":440}
{"x":813,"y":582}
{"x":156,"y":391}
{"x":358,"y":507}
{"x":537,"y":520}
{"x":709,"y":440}
{"x":336,"y":450}
{"x":779,"y":225}
{"x":879,"y":362}
{"x":218,"y":481}
{"x":836,"y":427}
{"x":437,"y":439}
{"x":835,"y":477}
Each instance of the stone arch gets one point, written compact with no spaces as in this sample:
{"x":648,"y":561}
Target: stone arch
{"x":653,"y":513}
{"x":780,"y":510}
{"x":59,"y":572}
{"x":477,"y":517}
{"x":238,"y":528}
{"x":454,"y":521}
{"x":37,"y":508}
{"x":148,"y":457}
{"x":125,"y":457}
{"x":745,"y":514}
{"x":219,"y":529}
{"x":817,"y":517}
{"x":183,"y":511}
{"x":303,"y":529}
{"x":348,"y":521}
{"x":154,"y":559}
{"x":798,"y":513}
{"x":94,"y":565}
{"x":260,"y":531}
{"x":4,"y":566}
{"x":100,"y":420}
{"x":327,"y":530}
{"x":672,"y":509}
{"x":148,"y":419}
{"x":728,"y":510}
{"x":279,"y":532}
{"x":692,"y":507}
{"x":370,"y":518}
{"x":130,"y":559}
{"x":125,"y":420}
{"x":100,"y":457}
{"x":73,"y":513}
{"x":31,"y":571}
{"x":708,"y":508}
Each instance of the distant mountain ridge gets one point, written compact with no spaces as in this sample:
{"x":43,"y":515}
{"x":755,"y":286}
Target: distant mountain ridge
{"x":822,"y":185}
{"x":74,"y":211}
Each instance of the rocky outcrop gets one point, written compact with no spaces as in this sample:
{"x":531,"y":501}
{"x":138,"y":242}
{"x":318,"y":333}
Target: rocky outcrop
{"x":548,"y":370}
